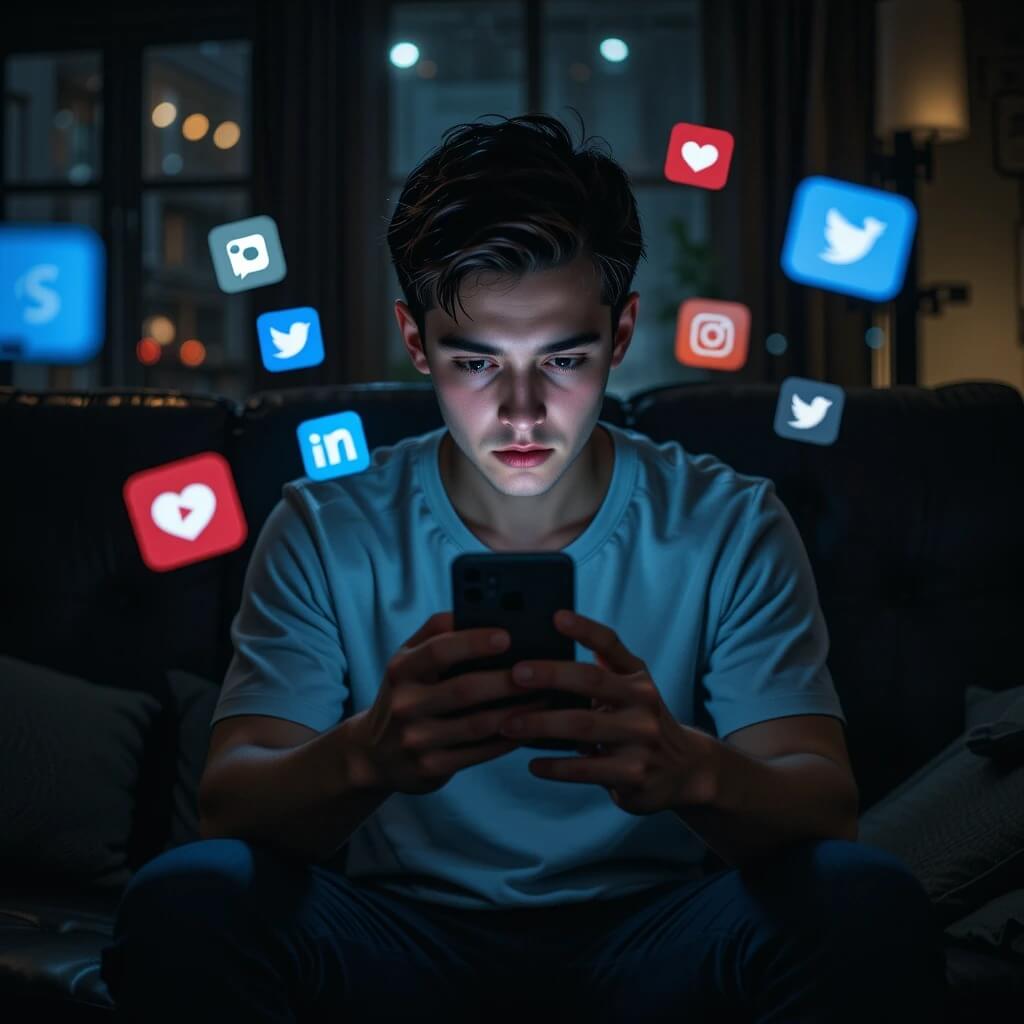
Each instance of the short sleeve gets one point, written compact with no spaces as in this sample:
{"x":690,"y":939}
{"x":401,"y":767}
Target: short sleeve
{"x":768,"y":655}
{"x":287,"y":661}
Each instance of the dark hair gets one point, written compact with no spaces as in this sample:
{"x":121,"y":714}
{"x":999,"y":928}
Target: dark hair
{"x":511,"y":197}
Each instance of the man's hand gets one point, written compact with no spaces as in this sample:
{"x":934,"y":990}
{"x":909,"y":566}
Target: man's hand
{"x":646,"y":759}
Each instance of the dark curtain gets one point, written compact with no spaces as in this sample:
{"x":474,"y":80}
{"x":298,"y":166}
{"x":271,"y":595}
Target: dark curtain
{"x":793,"y":80}
{"x":321,"y":124}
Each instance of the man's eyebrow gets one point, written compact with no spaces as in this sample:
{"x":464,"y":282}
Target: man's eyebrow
{"x":453,"y":341}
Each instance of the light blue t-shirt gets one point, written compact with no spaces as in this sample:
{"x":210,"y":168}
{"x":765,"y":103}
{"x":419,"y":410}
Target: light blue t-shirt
{"x":698,"y":568}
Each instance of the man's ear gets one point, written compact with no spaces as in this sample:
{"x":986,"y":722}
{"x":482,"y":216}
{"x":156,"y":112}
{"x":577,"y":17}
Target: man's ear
{"x":624,"y":331}
{"x":415,"y":343}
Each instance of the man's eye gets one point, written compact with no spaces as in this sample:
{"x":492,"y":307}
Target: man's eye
{"x":464,"y":365}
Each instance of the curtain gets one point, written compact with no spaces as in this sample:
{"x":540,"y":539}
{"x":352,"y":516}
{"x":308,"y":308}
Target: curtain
{"x":320,"y":80}
{"x":793,"y":80}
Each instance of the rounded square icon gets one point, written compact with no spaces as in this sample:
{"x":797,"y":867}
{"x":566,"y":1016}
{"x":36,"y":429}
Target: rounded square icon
{"x":698,"y":155}
{"x":247,"y":254}
{"x":712,"y":334}
{"x":290,"y":339}
{"x":809,"y":410}
{"x":848,"y":238}
{"x":333,"y":445}
{"x":185,"y":511}
{"x":52,"y":293}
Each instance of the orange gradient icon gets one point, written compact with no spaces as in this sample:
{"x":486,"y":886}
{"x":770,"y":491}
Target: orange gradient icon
{"x":713,"y":335}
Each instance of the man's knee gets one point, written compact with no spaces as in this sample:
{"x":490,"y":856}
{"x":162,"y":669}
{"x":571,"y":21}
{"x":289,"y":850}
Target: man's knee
{"x":843,"y":893}
{"x":182,"y":886}
{"x":860,"y":883}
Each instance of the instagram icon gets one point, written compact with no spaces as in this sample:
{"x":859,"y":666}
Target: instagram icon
{"x":713,"y":335}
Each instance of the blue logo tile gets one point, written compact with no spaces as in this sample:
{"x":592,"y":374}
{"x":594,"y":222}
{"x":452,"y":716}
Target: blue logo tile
{"x":333,"y":445}
{"x":290,"y":339}
{"x":809,"y":410}
{"x":848,"y":238}
{"x":52,"y":293}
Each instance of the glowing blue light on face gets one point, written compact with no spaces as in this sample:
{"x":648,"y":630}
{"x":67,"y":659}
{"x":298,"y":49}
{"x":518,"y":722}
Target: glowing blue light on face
{"x":404,"y":55}
{"x":614,"y":49}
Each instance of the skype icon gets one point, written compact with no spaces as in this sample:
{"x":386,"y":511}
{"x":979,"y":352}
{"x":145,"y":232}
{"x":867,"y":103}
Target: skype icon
{"x":247,"y":254}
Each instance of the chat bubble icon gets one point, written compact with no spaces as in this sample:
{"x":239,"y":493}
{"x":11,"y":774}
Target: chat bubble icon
{"x":247,"y":255}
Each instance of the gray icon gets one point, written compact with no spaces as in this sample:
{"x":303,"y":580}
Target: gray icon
{"x":247,"y":254}
{"x":809,"y":410}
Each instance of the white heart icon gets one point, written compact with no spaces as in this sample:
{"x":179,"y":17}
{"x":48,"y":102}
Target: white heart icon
{"x":699,"y":157}
{"x":184,"y":515}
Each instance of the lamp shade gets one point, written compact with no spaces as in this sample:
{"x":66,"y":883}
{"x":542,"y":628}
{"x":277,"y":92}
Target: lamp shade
{"x":921,"y":74}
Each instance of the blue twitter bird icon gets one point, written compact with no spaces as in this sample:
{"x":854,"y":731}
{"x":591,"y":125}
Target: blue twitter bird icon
{"x":290,"y":339}
{"x":848,"y":238}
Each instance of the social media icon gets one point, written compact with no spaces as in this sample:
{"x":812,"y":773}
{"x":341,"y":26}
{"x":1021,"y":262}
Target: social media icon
{"x":185,"y":511}
{"x":52,"y":293}
{"x":698,"y":155}
{"x":809,"y":410}
{"x":247,"y":254}
{"x":333,"y":445}
{"x":712,"y":334}
{"x":290,"y":339}
{"x":849,"y":238}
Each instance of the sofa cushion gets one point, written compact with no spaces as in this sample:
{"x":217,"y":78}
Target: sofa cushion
{"x":996,"y":927}
{"x":71,"y":760}
{"x":195,"y":700}
{"x":958,"y":823}
{"x":983,"y":705}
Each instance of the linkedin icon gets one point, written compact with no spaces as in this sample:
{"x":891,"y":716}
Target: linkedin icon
{"x":333,"y":445}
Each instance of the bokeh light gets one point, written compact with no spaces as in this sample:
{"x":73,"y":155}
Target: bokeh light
{"x":776,"y":343}
{"x":195,"y":126}
{"x":614,"y":49}
{"x":404,"y":55}
{"x":874,"y":337}
{"x":226,"y":135}
{"x":161,"y":328}
{"x":192,"y":352}
{"x":164,"y":114}
{"x":147,"y":351}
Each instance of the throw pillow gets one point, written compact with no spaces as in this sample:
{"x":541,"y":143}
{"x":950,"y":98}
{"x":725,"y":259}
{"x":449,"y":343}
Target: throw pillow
{"x":195,"y":700}
{"x":958,"y":823}
{"x":982,"y":705}
{"x":71,"y":757}
{"x":997,"y":927}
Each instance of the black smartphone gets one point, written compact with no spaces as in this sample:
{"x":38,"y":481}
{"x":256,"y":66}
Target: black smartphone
{"x":518,"y":591}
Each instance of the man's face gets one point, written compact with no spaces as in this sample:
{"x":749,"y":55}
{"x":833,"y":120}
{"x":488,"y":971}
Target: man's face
{"x":516,"y":393}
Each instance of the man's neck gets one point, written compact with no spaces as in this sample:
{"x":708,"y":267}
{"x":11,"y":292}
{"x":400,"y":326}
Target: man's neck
{"x":546,"y":522}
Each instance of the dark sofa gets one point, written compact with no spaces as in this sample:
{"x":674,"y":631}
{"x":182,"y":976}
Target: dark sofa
{"x":913,"y":520}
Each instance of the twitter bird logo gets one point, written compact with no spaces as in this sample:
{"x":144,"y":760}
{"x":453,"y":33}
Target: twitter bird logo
{"x":808,"y":414}
{"x":848,"y":238}
{"x":847,"y":244}
{"x":290,"y":339}
{"x":291,"y":342}
{"x":815,"y":420}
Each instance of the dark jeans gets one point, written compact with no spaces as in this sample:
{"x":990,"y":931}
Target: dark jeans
{"x":822,"y":931}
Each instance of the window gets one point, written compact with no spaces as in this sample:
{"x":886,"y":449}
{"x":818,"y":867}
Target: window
{"x":468,"y":60}
{"x":196,"y":164}
{"x":188,"y":168}
{"x":53,"y":109}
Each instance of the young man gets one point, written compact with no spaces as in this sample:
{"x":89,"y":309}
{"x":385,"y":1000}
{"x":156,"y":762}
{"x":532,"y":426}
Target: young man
{"x":478,"y":872}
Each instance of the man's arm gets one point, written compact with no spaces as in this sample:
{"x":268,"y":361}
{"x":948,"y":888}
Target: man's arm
{"x":775,"y":783}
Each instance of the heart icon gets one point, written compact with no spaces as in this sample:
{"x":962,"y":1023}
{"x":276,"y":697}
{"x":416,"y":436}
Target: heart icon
{"x":699,"y":157}
{"x":187,"y":514}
